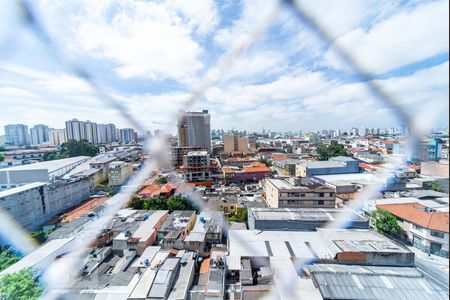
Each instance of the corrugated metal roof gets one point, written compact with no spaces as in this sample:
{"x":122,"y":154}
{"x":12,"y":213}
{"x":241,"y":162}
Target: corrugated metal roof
{"x":358,"y":282}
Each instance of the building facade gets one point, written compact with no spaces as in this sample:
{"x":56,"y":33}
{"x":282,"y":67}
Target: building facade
{"x":39,"y":134}
{"x":128,"y":136}
{"x":17,"y":135}
{"x":196,"y":166}
{"x":235,"y":143}
{"x":300,"y":193}
{"x":36,"y":203}
{"x":119,"y":172}
{"x":194,"y":129}
{"x":426,"y":228}
{"x":336,"y":165}
{"x":57,"y":136}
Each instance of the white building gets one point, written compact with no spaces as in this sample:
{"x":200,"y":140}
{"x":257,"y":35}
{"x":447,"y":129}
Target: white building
{"x":16,"y":135}
{"x":39,"y":134}
{"x":57,"y":136}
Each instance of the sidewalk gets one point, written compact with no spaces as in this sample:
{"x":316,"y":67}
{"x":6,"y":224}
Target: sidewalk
{"x":432,"y":258}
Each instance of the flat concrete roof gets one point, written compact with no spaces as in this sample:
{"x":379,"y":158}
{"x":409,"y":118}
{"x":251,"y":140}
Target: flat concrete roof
{"x":182,"y":284}
{"x":301,"y":214}
{"x":21,"y":188}
{"x":149,"y":253}
{"x":142,"y":288}
{"x":347,"y":177}
{"x":303,"y":184}
{"x":42,"y":255}
{"x":147,"y":227}
{"x":51,"y":166}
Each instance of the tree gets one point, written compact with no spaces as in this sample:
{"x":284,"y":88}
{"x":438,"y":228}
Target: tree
{"x":161,"y":180}
{"x":79,"y":148}
{"x":20,"y":286}
{"x":385,"y":222}
{"x":73,"y":148}
{"x":266,"y":162}
{"x":241,"y":215}
{"x":2,"y":157}
{"x":436,"y":186}
{"x":136,"y":202}
{"x":7,"y":258}
{"x":155,"y":203}
{"x":178,"y":202}
{"x":40,"y":236}
{"x":334,"y":150}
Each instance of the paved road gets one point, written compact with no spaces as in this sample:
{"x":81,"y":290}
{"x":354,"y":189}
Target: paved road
{"x":436,"y":273}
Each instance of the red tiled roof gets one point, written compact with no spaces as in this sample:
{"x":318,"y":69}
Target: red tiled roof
{"x":255,"y":169}
{"x":414,"y":213}
{"x":366,"y":166}
{"x":150,"y":190}
{"x":168,"y":187}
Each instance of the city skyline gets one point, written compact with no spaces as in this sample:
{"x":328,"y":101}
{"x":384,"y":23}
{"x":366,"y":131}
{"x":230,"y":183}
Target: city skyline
{"x":226,"y":130}
{"x":288,"y":79}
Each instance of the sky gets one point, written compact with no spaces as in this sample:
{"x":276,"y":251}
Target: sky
{"x":151,"y":55}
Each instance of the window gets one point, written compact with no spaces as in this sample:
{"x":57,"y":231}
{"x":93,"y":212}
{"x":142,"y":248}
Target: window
{"x":321,"y":202}
{"x":321,"y":195}
{"x":437,"y":234}
{"x":418,"y":228}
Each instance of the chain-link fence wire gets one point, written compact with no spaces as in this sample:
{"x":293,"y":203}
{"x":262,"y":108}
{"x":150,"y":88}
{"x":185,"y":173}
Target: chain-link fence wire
{"x":56,"y":275}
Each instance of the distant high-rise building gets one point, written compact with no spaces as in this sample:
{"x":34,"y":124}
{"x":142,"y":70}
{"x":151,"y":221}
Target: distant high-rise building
{"x":17,"y":135}
{"x":80,"y":130}
{"x":102,"y":133}
{"x":91,"y":132}
{"x":128,"y":135}
{"x":39,"y":134}
{"x":111,"y":135}
{"x":355,"y":131}
{"x":194,"y":129}
{"x":363,"y":131}
{"x":392,"y":131}
{"x":75,"y":130}
{"x":337,"y":133}
{"x":57,"y":136}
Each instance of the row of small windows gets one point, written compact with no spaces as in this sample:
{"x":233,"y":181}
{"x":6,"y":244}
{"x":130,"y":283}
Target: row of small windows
{"x":321,"y":195}
{"x":437,"y":234}
{"x":293,"y":202}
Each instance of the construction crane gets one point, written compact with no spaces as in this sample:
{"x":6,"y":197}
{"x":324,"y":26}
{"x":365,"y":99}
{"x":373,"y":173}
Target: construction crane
{"x":182,"y":128}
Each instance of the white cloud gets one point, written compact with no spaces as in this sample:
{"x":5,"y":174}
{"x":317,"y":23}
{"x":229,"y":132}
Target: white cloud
{"x":63,"y":83}
{"x":151,"y":40}
{"x":402,"y":39}
{"x":253,"y":13}
{"x":147,"y":42}
{"x":339,"y":17}
{"x":258,"y":64}
{"x":287,"y":87}
{"x":9,"y":91}
{"x":204,"y":15}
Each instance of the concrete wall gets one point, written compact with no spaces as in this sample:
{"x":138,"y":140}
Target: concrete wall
{"x":34,"y":207}
{"x":272,"y":195}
